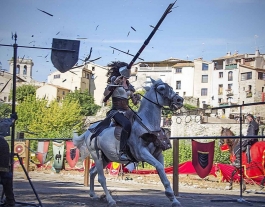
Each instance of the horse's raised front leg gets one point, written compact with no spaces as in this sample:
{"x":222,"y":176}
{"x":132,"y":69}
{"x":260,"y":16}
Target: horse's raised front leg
{"x":147,"y":157}
{"x":102,"y":179}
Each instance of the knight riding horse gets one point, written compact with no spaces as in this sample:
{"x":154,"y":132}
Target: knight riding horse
{"x":146,"y":140}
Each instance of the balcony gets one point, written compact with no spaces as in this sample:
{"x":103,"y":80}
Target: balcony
{"x":248,"y":94}
{"x":231,"y":66}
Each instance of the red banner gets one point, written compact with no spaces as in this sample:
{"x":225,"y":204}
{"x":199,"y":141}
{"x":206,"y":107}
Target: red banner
{"x":72,"y":154}
{"x":42,"y":151}
{"x":202,"y":157}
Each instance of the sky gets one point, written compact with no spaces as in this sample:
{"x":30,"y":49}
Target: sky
{"x":195,"y":28}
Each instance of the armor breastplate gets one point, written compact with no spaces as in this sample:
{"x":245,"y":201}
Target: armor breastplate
{"x":120,"y":92}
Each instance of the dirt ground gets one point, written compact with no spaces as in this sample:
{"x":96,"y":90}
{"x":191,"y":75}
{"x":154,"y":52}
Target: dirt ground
{"x":67,"y":189}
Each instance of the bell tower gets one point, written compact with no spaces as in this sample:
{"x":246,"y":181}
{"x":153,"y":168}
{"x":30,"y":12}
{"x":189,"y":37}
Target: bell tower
{"x":23,"y":68}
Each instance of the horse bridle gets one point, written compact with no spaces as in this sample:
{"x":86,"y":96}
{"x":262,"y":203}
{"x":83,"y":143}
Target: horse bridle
{"x":164,"y":95}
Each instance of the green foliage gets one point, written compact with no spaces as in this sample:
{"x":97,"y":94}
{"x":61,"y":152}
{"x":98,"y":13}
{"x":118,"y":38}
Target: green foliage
{"x":136,"y":107}
{"x":5,"y":110}
{"x":189,"y":107}
{"x":23,"y":91}
{"x":86,"y":101}
{"x":54,"y":120}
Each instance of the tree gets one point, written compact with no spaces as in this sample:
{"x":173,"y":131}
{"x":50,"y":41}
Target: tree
{"x":86,"y":101}
{"x":5,"y":110}
{"x":23,"y":91}
{"x":53,"y":120}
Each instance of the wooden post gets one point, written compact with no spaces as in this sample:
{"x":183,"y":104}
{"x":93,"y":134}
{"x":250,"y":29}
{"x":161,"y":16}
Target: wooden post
{"x":27,"y":157}
{"x":86,"y":171}
{"x":176,"y":167}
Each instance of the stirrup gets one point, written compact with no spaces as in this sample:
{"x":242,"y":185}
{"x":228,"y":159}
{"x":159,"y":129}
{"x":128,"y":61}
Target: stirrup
{"x":123,"y":157}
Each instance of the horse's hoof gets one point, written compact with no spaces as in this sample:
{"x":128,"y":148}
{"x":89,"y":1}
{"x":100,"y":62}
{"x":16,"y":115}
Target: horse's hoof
{"x":228,"y":188}
{"x":94,"y":196}
{"x":176,"y":204}
{"x":112,"y":204}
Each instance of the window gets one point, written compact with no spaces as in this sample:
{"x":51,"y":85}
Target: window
{"x":25,"y":70}
{"x":87,"y":75}
{"x":261,"y":76}
{"x":230,"y":86}
{"x":204,"y":92}
{"x":220,"y":89}
{"x":63,"y":92}
{"x":221,"y":74}
{"x":246,"y":76}
{"x":75,"y":88}
{"x":230,"y":75}
{"x":219,"y":100}
{"x":56,"y":76}
{"x":184,"y":93}
{"x":178,"y":70}
{"x":93,"y":68}
{"x":204,"y":78}
{"x":18,"y":69}
{"x":178,"y":85}
{"x":204,"y":66}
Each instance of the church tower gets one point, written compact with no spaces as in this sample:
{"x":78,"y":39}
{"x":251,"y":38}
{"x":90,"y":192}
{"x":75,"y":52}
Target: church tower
{"x":23,"y":69}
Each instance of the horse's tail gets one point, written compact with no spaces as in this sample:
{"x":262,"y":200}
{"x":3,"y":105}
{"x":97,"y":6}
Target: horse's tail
{"x":79,"y":142}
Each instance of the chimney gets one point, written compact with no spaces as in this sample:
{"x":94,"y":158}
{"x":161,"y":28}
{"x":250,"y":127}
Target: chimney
{"x":257,"y":54}
{"x":228,"y":53}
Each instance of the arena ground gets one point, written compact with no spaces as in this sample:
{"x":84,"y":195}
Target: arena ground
{"x":66,"y":189}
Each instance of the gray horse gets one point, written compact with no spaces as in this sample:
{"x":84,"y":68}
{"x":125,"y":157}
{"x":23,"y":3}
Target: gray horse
{"x":105,"y":147}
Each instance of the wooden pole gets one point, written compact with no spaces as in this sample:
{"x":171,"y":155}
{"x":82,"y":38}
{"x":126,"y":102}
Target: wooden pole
{"x":27,"y":157}
{"x":176,"y":167}
{"x":86,"y":171}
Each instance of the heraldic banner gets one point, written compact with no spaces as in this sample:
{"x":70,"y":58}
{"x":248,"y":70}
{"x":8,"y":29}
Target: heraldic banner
{"x":202,"y":157}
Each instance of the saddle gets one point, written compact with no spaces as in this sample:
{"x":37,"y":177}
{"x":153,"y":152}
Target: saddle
{"x":159,"y":138}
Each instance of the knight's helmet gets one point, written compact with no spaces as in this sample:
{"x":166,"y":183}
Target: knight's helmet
{"x":125,"y":72}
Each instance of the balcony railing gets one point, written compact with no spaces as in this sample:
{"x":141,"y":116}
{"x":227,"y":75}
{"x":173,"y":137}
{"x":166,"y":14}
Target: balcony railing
{"x":231,"y":66}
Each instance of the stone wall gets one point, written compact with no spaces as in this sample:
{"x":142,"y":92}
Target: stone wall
{"x":191,"y":100}
{"x":193,"y":128}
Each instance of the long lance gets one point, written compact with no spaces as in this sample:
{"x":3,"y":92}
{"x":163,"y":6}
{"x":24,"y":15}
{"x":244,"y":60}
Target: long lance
{"x":168,"y":10}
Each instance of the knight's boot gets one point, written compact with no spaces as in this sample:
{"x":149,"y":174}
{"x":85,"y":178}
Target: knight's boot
{"x":123,"y":142}
{"x":236,"y":163}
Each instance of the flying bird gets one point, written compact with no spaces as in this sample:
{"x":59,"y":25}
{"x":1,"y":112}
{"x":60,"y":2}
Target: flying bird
{"x":133,"y":29}
{"x":46,"y":55}
{"x":31,"y":42}
{"x":45,"y":12}
{"x":57,"y":33}
{"x":128,"y":51}
{"x":113,"y":52}
{"x":64,"y":80}
{"x":32,"y":35}
{"x":128,"y":33}
{"x":97,"y":27}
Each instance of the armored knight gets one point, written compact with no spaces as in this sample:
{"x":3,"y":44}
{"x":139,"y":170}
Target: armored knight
{"x":6,"y":178}
{"x":120,"y":90}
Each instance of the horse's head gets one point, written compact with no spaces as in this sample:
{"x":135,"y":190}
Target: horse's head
{"x":163,"y":95}
{"x":226,"y":143}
